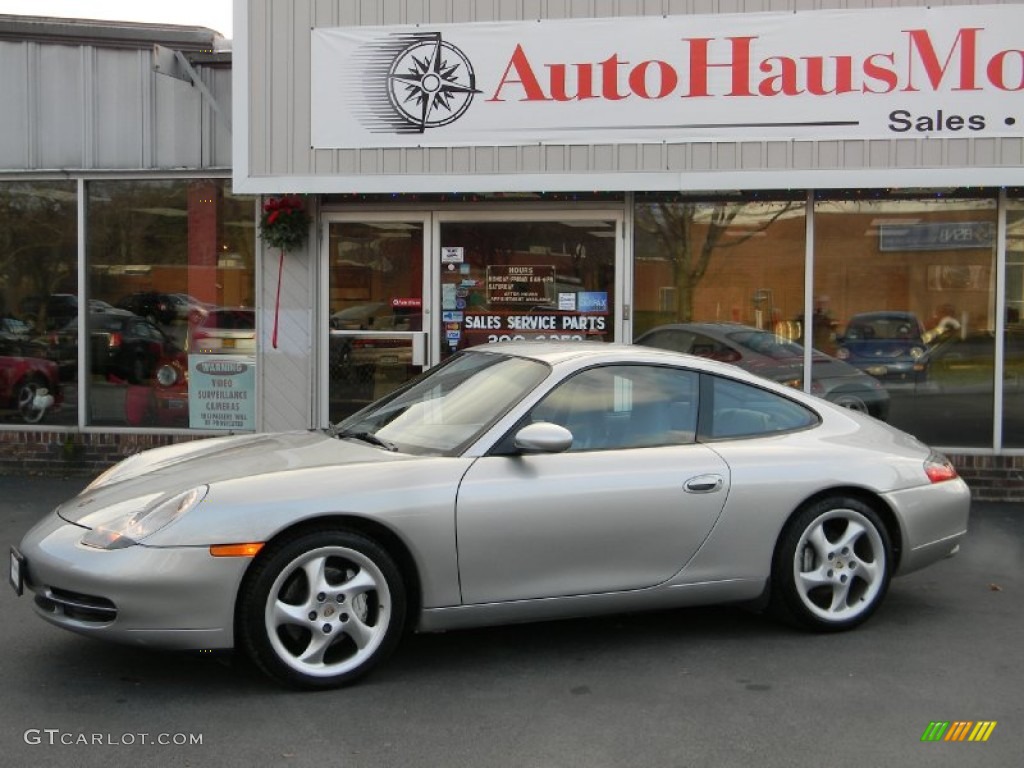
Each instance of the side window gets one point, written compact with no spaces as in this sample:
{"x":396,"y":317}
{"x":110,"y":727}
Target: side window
{"x":741,"y":410}
{"x":672,"y":339}
{"x":624,"y":406}
{"x":705,"y":346}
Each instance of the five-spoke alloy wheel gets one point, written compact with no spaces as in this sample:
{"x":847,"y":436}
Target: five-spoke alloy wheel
{"x":832,"y":565}
{"x":321,"y":609}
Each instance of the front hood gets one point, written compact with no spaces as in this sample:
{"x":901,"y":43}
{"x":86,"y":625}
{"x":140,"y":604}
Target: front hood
{"x":149,"y":476}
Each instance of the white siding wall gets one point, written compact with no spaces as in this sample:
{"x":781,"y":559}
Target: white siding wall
{"x":83,"y":107}
{"x":277,"y":41}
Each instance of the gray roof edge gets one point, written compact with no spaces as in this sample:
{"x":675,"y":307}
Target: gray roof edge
{"x":116,"y":34}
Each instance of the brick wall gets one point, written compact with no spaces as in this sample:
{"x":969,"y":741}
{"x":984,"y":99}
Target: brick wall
{"x":991,"y":478}
{"x":72,"y":453}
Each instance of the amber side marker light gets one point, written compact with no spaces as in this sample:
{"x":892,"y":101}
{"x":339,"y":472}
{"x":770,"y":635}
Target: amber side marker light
{"x":236,"y":550}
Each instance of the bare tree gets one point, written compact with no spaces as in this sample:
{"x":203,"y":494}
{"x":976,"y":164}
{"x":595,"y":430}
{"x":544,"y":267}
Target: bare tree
{"x":688,"y":234}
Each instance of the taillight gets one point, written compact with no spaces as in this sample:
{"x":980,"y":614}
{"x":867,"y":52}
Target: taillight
{"x":939,"y":468}
{"x":115,"y":340}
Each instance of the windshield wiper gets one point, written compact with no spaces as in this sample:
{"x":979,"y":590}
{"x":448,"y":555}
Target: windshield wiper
{"x":367,"y":437}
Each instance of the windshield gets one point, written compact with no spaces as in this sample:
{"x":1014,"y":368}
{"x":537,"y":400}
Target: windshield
{"x":449,"y":406}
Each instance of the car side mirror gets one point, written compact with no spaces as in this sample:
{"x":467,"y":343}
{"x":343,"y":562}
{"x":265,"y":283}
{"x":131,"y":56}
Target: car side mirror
{"x":543,"y":437}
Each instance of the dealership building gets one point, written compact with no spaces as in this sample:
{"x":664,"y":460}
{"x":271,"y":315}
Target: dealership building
{"x":793,"y":186}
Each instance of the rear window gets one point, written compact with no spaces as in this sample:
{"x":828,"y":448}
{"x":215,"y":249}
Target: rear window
{"x":108,"y":323}
{"x":231,"y":320}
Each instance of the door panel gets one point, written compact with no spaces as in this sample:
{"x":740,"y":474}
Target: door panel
{"x":584,"y":522}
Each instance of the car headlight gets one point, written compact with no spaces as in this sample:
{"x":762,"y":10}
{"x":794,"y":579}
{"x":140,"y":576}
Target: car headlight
{"x":167,"y":376}
{"x":128,"y":530}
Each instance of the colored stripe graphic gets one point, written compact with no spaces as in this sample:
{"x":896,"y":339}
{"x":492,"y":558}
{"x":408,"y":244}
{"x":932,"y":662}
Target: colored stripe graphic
{"x":958,"y":730}
{"x":982,"y":730}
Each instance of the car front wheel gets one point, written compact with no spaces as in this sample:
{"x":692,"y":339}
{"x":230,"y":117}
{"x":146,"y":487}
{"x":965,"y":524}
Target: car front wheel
{"x":832,"y":565}
{"x":321,"y":609}
{"x":28,"y":390}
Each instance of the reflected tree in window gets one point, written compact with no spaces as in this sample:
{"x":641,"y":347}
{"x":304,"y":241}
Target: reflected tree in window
{"x":37,"y":247}
{"x":689,"y":234}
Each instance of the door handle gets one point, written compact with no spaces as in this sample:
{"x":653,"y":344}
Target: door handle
{"x":704,"y":484}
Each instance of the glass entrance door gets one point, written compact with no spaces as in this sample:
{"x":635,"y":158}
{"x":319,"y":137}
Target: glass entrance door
{"x":374,"y":289}
{"x":528,"y":276}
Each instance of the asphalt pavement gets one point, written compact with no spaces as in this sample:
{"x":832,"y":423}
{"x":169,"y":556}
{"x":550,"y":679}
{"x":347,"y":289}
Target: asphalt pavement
{"x":713,"y":687}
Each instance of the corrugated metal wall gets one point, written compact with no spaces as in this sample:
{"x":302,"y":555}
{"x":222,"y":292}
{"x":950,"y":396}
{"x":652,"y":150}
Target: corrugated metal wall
{"x":278,"y":44}
{"x":84,"y":107}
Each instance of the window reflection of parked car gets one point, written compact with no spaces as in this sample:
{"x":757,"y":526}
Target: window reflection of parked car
{"x":128,"y":347}
{"x":170,"y":392}
{"x":887,"y":345}
{"x":773,"y":357}
{"x":29,"y":386}
{"x":358,"y":356}
{"x":47,"y":313}
{"x":60,"y":345}
{"x":188,"y":309}
{"x":158,"y":308}
{"x":13,"y":329}
{"x":224,"y":330}
{"x":966,"y":364}
{"x":359,"y":318}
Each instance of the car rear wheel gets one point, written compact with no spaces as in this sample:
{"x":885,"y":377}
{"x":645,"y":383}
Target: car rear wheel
{"x":832,"y":565}
{"x":321,"y":609}
{"x":851,"y":400}
{"x":27,"y":390}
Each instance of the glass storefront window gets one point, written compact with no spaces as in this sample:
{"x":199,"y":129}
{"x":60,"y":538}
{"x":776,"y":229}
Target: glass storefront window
{"x":1013,"y":351}
{"x":722,"y":278}
{"x":529,"y":279}
{"x":38,"y":302}
{"x":170,"y":267}
{"x":904,"y":291}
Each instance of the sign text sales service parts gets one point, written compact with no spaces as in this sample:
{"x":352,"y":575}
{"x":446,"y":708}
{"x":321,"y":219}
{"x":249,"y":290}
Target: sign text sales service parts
{"x":856,"y":74}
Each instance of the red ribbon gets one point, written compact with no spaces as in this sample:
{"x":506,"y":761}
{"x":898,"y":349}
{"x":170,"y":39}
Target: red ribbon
{"x":277,"y":300}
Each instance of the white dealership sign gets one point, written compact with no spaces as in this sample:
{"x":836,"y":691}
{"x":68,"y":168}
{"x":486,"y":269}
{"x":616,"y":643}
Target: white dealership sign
{"x":953,"y":72}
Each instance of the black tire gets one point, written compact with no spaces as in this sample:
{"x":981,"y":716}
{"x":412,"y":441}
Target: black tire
{"x":832,"y":566}
{"x":330,"y":636}
{"x":850,"y":399}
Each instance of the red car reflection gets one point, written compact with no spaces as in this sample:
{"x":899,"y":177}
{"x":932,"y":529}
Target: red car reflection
{"x":29,"y":386}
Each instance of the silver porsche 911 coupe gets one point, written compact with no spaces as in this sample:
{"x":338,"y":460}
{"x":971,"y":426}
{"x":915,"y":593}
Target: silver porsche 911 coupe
{"x":516,"y":482}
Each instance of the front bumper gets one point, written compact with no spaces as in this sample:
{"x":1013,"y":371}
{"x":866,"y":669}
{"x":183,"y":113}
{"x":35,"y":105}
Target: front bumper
{"x":164,"y":597}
